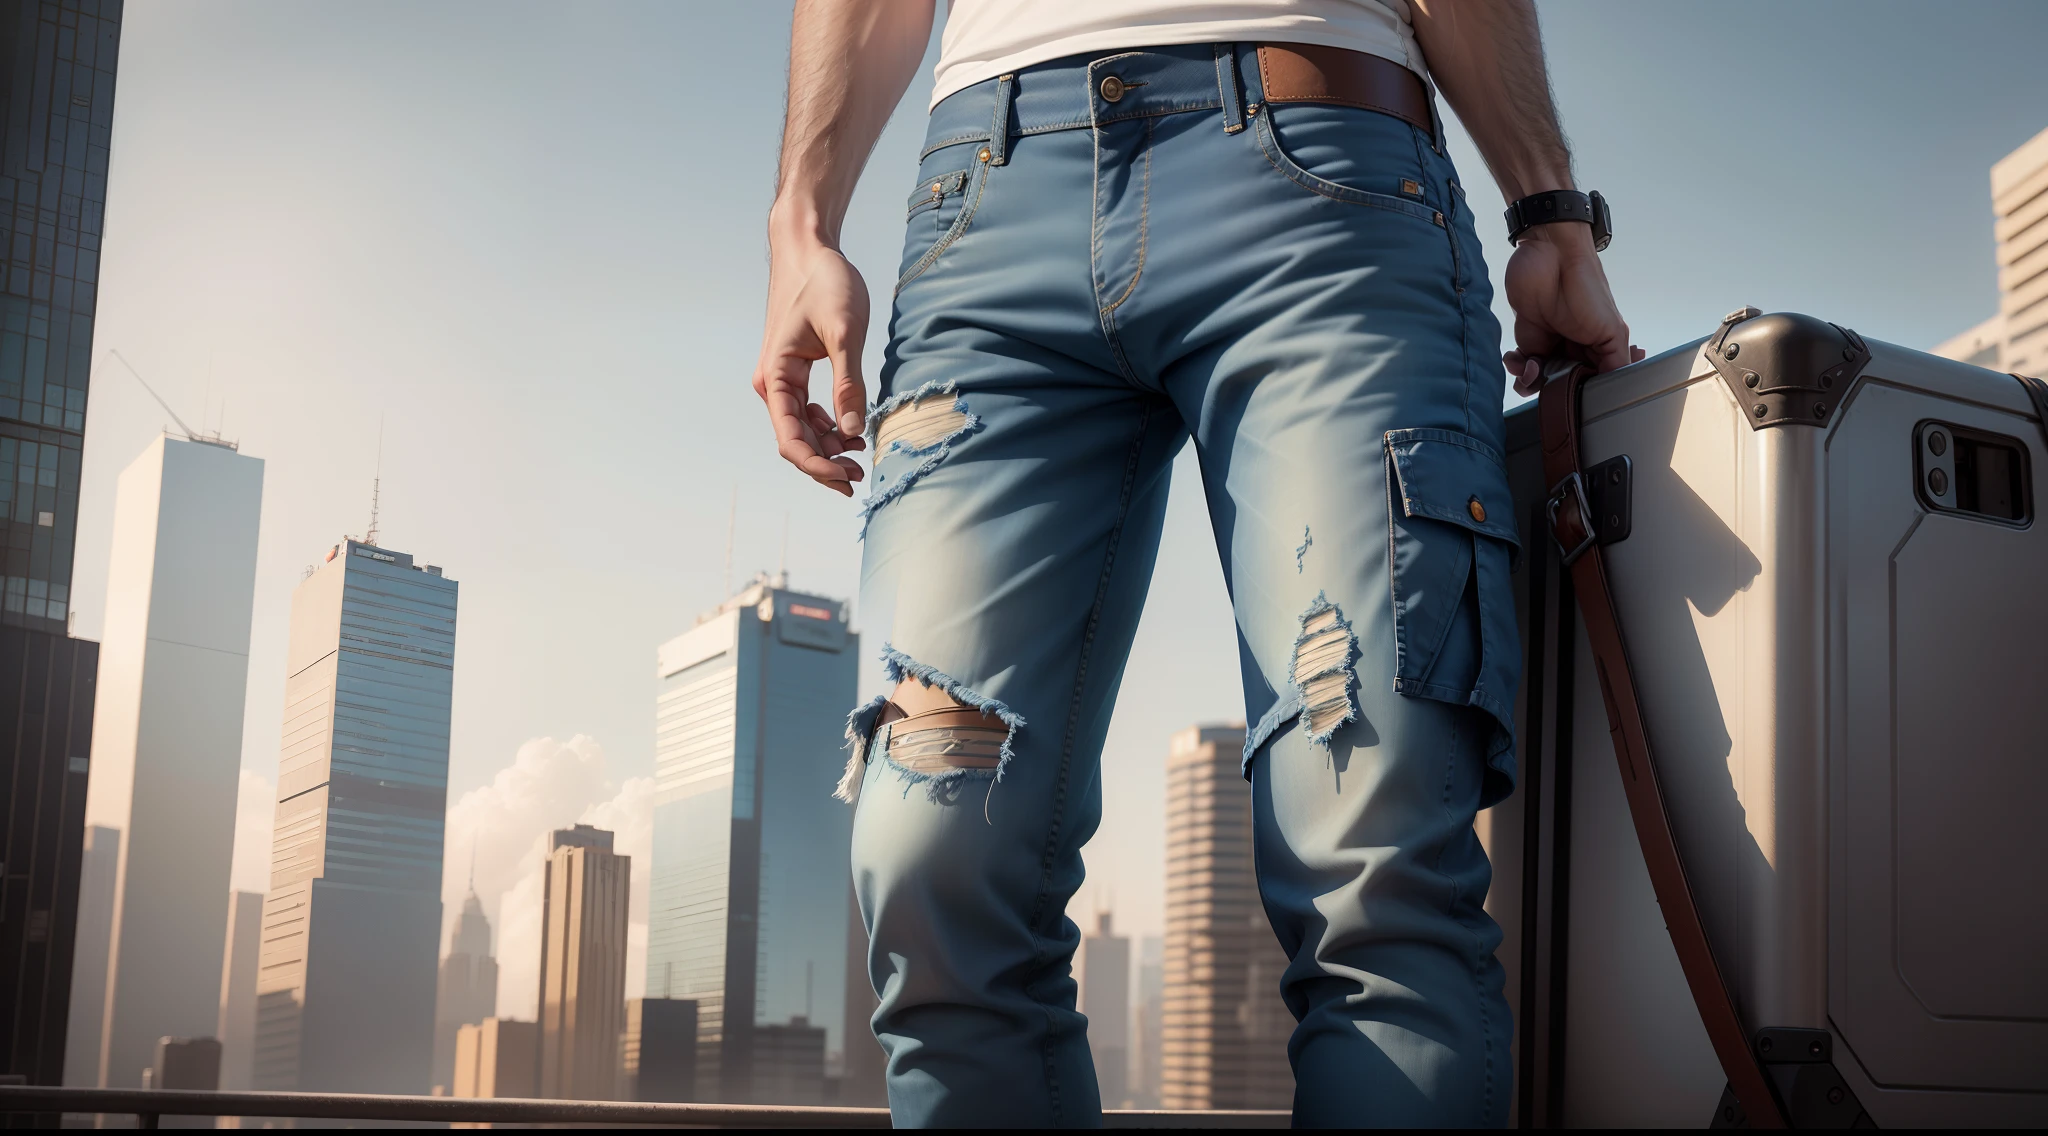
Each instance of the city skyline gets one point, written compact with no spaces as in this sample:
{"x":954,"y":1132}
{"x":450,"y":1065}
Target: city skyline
{"x":305,"y":363}
{"x":548,"y":526}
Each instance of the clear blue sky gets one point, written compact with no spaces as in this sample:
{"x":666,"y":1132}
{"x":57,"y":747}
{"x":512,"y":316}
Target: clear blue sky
{"x":528,"y":238}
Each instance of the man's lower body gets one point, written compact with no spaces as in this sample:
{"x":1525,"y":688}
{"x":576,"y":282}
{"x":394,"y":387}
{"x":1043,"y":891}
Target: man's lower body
{"x":1089,"y":282}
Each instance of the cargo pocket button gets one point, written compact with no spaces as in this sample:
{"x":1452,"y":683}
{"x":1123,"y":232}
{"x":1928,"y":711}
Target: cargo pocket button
{"x":1112,"y":88}
{"x":1477,"y":510}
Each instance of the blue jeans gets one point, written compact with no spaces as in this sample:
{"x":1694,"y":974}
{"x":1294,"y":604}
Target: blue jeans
{"x":1085,"y":285}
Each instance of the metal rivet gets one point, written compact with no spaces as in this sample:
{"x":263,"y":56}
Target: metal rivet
{"x":1937,"y":482}
{"x":1761,"y":410}
{"x":1813,"y":1047}
{"x":1751,"y":378}
{"x":1765,"y":1044}
{"x":936,"y":188}
{"x":1835,"y":1095}
{"x":1848,"y":352}
{"x":1477,"y":510}
{"x":1614,"y":520}
{"x":1731,"y":351}
{"x":1827,"y":382}
{"x":1112,"y":88}
{"x":1937,"y":443}
{"x":1820,"y":410}
{"x":1439,"y":219}
{"x":985,"y":155}
{"x":1614,"y":475}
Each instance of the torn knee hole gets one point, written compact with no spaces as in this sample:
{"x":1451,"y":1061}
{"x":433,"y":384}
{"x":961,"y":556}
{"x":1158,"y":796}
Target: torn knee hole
{"x":931,"y":732}
{"x":1323,"y":653}
{"x":921,"y":423}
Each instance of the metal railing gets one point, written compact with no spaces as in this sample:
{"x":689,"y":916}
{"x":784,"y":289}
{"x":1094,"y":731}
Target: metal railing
{"x":148,"y":1105}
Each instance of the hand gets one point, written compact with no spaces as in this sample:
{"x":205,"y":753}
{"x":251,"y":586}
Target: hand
{"x":817,"y":309}
{"x":1562,"y":306}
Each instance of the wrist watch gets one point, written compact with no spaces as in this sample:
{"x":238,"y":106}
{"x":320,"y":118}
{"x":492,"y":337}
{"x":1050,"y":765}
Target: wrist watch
{"x":1561,"y":205}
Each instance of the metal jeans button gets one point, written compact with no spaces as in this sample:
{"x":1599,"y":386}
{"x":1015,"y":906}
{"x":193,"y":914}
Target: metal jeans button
{"x":1112,"y":88}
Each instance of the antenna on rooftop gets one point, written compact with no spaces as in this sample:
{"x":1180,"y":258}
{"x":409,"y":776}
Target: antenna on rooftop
{"x":189,"y":435}
{"x":376,"y":494}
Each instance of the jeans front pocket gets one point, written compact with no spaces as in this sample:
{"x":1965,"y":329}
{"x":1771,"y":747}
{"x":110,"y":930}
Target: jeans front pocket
{"x":1358,"y":156}
{"x":1451,"y":542}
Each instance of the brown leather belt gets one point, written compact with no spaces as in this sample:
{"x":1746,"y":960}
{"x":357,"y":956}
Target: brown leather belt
{"x":1306,"y":73}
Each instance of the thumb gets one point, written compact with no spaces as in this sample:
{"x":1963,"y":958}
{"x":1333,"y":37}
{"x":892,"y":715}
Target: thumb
{"x":849,"y":390}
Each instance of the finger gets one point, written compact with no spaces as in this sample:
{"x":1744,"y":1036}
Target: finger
{"x":1638,"y":353}
{"x":849,"y":392}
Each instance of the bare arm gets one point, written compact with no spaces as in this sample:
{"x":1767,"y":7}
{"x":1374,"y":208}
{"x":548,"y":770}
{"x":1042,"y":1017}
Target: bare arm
{"x":1487,"y":58}
{"x":849,"y":63}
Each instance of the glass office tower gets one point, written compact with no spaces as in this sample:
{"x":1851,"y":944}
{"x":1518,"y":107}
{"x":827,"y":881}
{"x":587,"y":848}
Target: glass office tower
{"x":751,"y":906}
{"x":56,"y":117}
{"x":345,"y":997}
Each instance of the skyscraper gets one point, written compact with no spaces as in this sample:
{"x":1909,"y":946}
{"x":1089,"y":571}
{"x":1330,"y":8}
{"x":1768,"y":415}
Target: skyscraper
{"x":584,"y":903}
{"x":237,"y":1028}
{"x":1105,"y":982}
{"x":2016,"y":338}
{"x":750,"y":920}
{"x":1147,"y":1043}
{"x":167,"y":741}
{"x":467,"y":991}
{"x":1225,"y":1045}
{"x":658,"y":1050}
{"x":56,"y":115}
{"x":345,"y":1002}
{"x":497,"y":1057}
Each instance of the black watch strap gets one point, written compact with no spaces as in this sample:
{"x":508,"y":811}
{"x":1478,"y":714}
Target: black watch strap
{"x":1561,"y":205}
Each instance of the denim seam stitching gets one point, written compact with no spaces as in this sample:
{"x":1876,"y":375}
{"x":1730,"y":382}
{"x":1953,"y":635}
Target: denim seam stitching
{"x":958,"y":230}
{"x":1269,"y":145}
{"x":1103,"y":316}
{"x":1144,"y":225}
{"x":1074,"y":708}
{"x":1474,"y":957}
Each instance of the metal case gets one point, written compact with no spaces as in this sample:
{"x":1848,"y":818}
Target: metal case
{"x":1846,"y":688}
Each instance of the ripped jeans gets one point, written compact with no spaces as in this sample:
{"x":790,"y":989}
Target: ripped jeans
{"x":1086,"y":284}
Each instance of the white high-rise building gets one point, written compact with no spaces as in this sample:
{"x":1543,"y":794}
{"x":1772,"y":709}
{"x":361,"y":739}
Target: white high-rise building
{"x":2016,"y":339}
{"x":167,"y":738}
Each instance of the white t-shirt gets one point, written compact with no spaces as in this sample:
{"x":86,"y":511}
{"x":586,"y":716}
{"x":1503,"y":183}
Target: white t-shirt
{"x":986,"y":38}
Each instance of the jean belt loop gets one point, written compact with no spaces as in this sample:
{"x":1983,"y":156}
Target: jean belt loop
{"x":999,"y":130}
{"x":1226,"y":85}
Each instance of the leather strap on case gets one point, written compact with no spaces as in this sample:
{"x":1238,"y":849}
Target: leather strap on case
{"x":1572,"y":527}
{"x":1308,"y":73}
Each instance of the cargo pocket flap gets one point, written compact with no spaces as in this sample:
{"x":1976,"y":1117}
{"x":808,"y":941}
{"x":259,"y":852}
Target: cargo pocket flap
{"x":1454,"y":478}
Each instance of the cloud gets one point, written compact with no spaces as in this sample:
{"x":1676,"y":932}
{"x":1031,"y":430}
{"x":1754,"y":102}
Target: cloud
{"x":255,"y":811}
{"x":504,"y":825}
